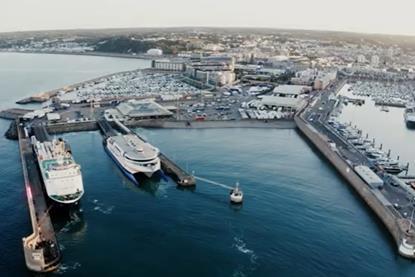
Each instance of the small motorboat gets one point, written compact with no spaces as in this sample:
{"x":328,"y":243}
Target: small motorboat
{"x":236,"y":195}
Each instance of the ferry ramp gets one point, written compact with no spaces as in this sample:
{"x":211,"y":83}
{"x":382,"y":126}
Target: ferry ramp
{"x":106,"y":128}
{"x":40,"y":132}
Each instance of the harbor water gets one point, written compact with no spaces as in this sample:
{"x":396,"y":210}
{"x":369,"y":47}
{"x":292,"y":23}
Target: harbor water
{"x":299,"y":218}
{"x":387,"y":128}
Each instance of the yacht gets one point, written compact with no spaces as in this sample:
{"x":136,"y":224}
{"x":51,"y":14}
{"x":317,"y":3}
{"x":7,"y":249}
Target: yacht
{"x":61,"y":175}
{"x":134,"y":156}
{"x":375,"y":154}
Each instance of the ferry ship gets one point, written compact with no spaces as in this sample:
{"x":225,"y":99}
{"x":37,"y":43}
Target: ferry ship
{"x":134,"y":156}
{"x":410,"y":116}
{"x":60,"y":173}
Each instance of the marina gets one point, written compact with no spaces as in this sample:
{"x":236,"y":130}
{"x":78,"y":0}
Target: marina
{"x":394,"y":214}
{"x":385,"y":93}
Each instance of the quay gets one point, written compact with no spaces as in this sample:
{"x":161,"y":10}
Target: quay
{"x":310,"y":122}
{"x":41,"y":249}
{"x":92,"y":125}
{"x":180,"y":176}
{"x":14,"y":113}
{"x":386,"y":103}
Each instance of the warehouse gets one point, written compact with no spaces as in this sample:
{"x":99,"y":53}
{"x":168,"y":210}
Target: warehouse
{"x":370,"y":177}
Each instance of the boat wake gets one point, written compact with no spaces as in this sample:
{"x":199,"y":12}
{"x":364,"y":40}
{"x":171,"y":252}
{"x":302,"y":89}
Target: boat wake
{"x":245,"y":270}
{"x":241,"y":246}
{"x":64,"y":268}
{"x":99,"y":207}
{"x":74,"y":220}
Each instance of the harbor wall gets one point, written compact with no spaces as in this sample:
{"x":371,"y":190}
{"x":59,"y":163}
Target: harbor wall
{"x":39,"y":257}
{"x":279,"y":124}
{"x":11,"y":132}
{"x":65,"y":127}
{"x":72,"y":127}
{"x":388,"y":218}
{"x":14,"y":113}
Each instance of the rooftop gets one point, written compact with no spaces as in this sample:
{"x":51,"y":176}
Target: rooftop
{"x":271,"y":100}
{"x":290,"y":89}
{"x":142,"y":108}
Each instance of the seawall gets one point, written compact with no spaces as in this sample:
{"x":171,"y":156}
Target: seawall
{"x":392,"y":221}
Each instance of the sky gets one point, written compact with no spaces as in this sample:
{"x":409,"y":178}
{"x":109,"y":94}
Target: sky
{"x":365,"y":16}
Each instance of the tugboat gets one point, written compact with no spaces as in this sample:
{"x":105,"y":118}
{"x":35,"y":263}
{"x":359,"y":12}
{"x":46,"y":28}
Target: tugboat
{"x":236,"y":195}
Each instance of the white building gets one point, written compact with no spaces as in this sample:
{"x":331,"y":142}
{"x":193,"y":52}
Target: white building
{"x":289,"y":90}
{"x":155,"y":52}
{"x":375,"y":61}
{"x":53,"y":116}
{"x":305,"y":77}
{"x":168,"y":65}
{"x":286,"y":98}
{"x":215,"y":69}
{"x":324,"y":79}
{"x":361,"y":59}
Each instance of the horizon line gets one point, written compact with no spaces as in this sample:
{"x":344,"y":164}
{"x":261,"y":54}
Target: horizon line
{"x":208,"y":27}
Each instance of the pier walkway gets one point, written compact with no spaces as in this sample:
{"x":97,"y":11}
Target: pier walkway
{"x":41,"y":248}
{"x":40,"y":133}
{"x":180,"y":176}
{"x":106,"y":128}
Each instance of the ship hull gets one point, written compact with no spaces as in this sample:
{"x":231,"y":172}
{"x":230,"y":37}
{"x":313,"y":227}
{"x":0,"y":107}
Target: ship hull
{"x":128,"y":174}
{"x":133,"y":177}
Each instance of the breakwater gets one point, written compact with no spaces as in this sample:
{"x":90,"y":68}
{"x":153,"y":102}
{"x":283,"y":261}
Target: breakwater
{"x":395,"y":224}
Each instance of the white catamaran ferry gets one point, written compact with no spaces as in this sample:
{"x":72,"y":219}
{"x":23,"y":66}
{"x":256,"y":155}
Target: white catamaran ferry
{"x":133,"y":156}
{"x":61,"y":174}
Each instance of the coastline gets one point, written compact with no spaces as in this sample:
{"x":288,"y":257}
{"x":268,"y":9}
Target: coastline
{"x":92,"y":53}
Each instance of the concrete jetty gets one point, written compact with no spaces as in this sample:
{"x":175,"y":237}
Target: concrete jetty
{"x":180,"y":176}
{"x":41,"y":250}
{"x":14,"y":113}
{"x":399,"y":227}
